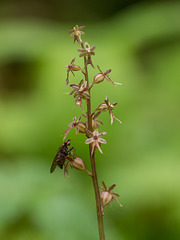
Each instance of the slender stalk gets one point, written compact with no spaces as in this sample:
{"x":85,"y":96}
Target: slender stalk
{"x":93,"y":165}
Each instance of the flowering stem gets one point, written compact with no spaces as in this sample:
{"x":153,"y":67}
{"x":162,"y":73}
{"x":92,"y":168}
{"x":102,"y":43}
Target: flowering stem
{"x":92,"y":158}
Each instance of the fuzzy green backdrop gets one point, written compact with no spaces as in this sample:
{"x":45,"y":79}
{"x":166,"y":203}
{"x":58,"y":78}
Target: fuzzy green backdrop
{"x":142,"y":47}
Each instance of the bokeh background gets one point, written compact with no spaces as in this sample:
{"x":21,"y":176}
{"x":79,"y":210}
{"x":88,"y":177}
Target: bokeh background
{"x":140,"y":42}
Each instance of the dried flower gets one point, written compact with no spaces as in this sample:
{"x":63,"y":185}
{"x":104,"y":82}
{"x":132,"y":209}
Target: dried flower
{"x":76,"y":33}
{"x":95,"y":138}
{"x":71,"y":67}
{"x":80,"y":127}
{"x":107,"y":106}
{"x":87,"y":51}
{"x":100,"y":77}
{"x":108,"y":195}
{"x":80,"y":92}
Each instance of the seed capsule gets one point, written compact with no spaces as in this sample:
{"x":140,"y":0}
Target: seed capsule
{"x":79,"y":164}
{"x":98,"y":78}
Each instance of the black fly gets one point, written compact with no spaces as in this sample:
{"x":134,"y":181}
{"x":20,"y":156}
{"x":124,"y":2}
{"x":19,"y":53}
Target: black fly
{"x":61,"y":155}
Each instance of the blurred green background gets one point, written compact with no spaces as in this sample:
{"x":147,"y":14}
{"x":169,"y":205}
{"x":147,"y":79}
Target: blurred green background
{"x":140,"y":42}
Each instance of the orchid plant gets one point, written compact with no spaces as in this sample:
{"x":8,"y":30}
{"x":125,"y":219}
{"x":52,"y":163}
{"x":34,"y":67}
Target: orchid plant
{"x":90,"y":126}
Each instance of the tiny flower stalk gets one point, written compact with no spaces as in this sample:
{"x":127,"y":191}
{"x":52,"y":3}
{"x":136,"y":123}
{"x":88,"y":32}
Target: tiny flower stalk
{"x":66,"y":157}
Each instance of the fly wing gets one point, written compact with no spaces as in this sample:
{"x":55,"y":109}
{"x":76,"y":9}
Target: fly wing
{"x":54,"y":163}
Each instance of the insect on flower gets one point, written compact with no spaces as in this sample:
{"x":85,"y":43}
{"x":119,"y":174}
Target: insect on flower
{"x":61,"y":155}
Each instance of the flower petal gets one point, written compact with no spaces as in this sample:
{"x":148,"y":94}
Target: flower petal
{"x":89,"y":133}
{"x":114,"y":193}
{"x":107,"y":72}
{"x":81,"y":27}
{"x":66,"y":132}
{"x":93,"y":148}
{"x":102,"y":134}
{"x":116,"y":118}
{"x":111,"y":187}
{"x":111,"y":114}
{"x":104,"y":185}
{"x":117,"y":201}
{"x":101,"y":140}
{"x":99,"y":69}
{"x":97,"y":145}
{"x":96,"y":133}
{"x":89,"y":140}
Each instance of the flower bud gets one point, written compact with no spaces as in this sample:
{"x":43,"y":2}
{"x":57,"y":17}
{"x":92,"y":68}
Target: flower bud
{"x":108,"y":195}
{"x":103,"y":107}
{"x":79,"y":164}
{"x":98,"y":78}
{"x":86,"y":94}
{"x":75,"y":68}
{"x":81,"y":127}
{"x":78,"y":101}
{"x":94,"y":124}
{"x":106,"y":198}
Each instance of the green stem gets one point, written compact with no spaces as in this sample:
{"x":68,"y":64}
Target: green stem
{"x":93,"y":165}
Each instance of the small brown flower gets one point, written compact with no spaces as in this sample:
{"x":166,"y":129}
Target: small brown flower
{"x":107,"y":106}
{"x":95,"y":139}
{"x":107,"y":196}
{"x":101,"y":76}
{"x":80,"y":92}
{"x":76,"y":33}
{"x":72,"y":67}
{"x":87,"y":51}
{"x":80,"y":127}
